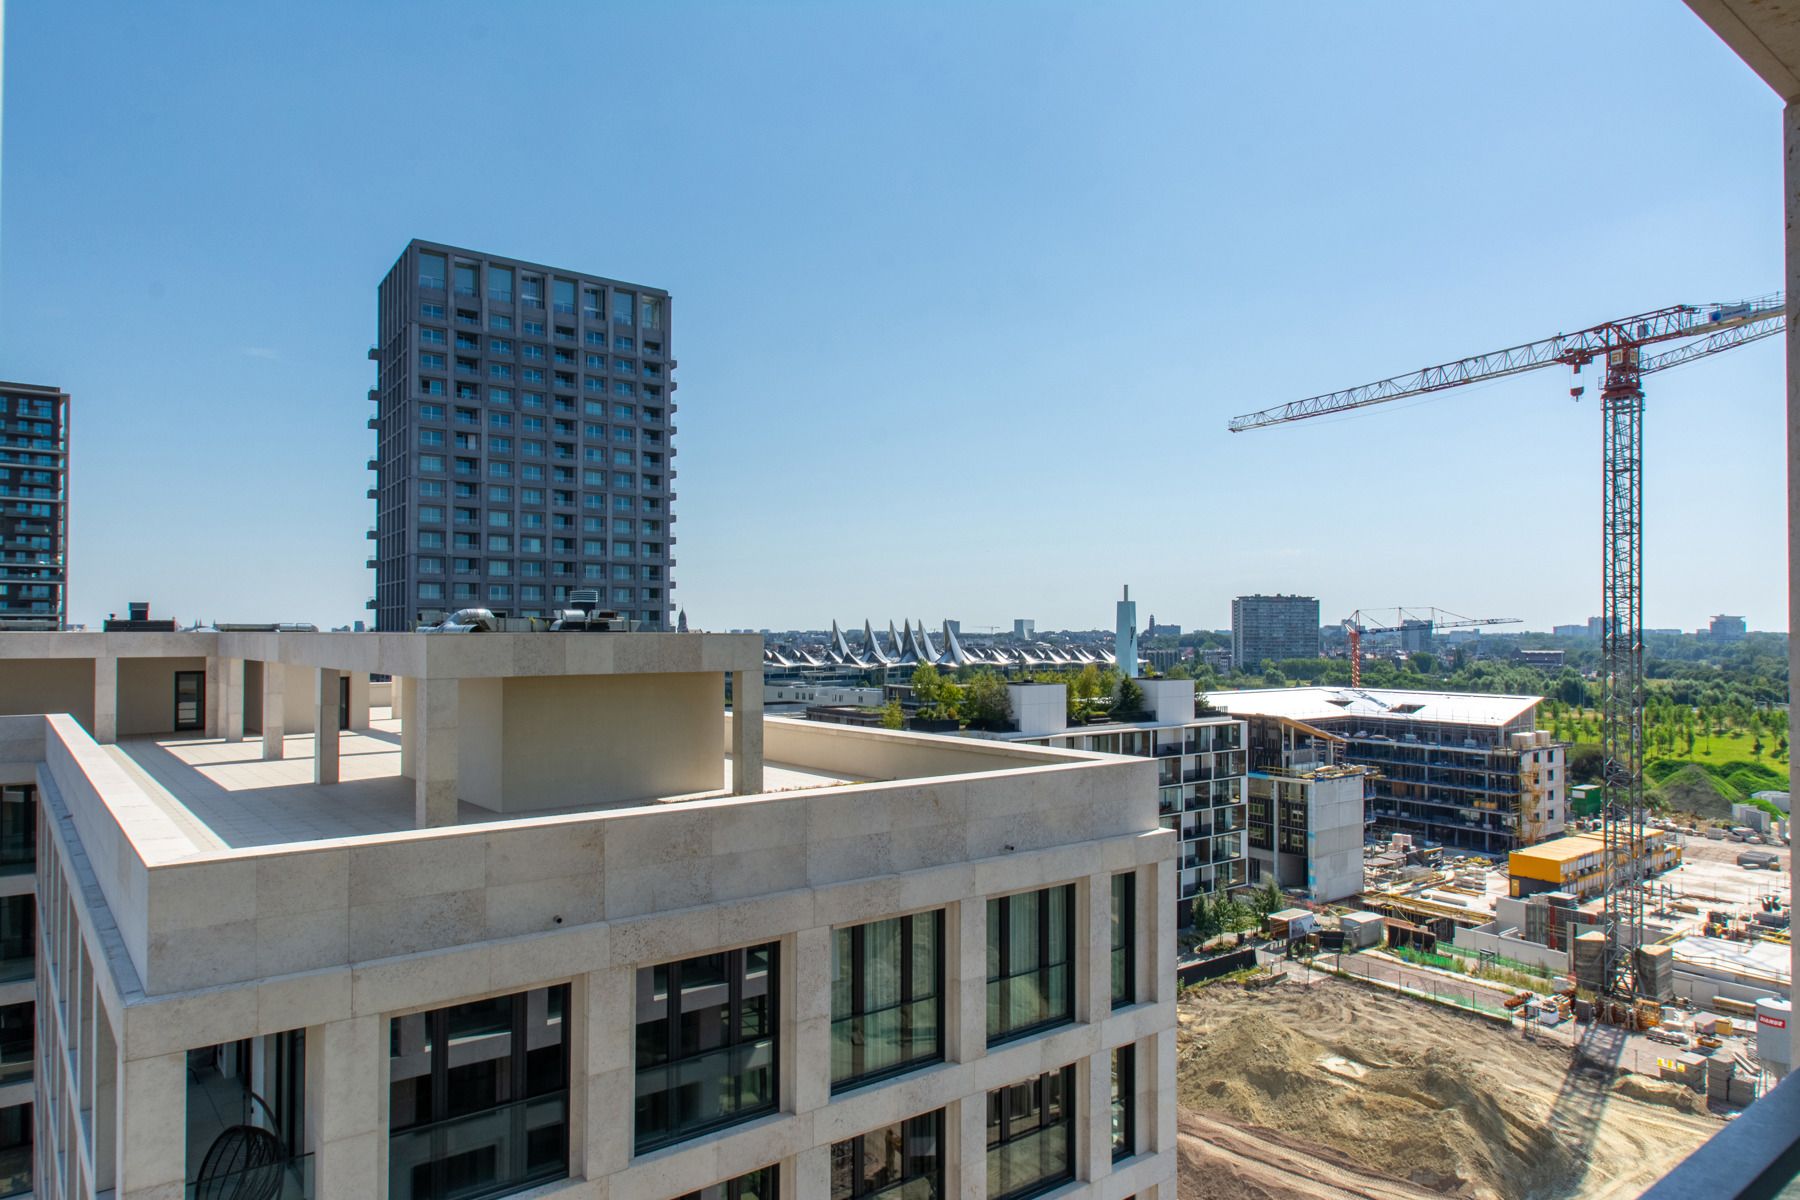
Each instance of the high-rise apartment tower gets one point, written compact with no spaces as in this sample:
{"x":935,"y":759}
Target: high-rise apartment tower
{"x":34,"y":505}
{"x":1273,"y":628}
{"x":524,"y":440}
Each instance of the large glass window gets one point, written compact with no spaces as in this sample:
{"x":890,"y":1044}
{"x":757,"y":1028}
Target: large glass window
{"x":1124,"y":1102}
{"x":706,"y":1043}
{"x":904,"y":1161}
{"x":761,"y":1184}
{"x":18,"y":939}
{"x":886,"y":997}
{"x":623,"y":304}
{"x":500,"y":284}
{"x":431,"y":270}
{"x":467,"y":279}
{"x":1124,"y":939}
{"x":479,"y":1097}
{"x":1030,"y":958}
{"x":15,"y":1150}
{"x":18,"y":829}
{"x":17,"y":1037}
{"x":1031,"y":1135}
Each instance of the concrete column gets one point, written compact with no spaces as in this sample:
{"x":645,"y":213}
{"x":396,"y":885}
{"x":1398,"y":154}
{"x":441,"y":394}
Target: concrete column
{"x":403,"y":713}
{"x":1093,"y":1116}
{"x":1156,"y":1084}
{"x":608,"y":1077}
{"x":965,"y":1151}
{"x":1093,"y":948}
{"x":344,"y":1105}
{"x":808,"y":1071}
{"x":965,"y":955}
{"x":812,"y":1175}
{"x":746,"y":732}
{"x":436,"y":703}
{"x":213,"y":718}
{"x":231,"y":699}
{"x":1790,"y":129}
{"x":359,"y":700}
{"x":274,"y":711}
{"x":152,"y":1135}
{"x":325,"y":727}
{"x":1158,"y":885}
{"x":106,"y":699}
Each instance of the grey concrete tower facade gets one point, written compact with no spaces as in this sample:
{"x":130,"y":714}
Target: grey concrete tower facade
{"x":524,"y":440}
{"x":34,"y":504}
{"x":1273,"y":628}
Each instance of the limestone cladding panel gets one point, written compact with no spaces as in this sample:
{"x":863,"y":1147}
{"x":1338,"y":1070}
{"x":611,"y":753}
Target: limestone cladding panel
{"x":48,"y":685}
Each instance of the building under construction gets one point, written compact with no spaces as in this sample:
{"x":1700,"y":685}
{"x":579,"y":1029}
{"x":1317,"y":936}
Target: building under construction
{"x":1467,"y":770}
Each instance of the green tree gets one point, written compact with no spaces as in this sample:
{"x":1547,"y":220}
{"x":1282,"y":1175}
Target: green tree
{"x":1206,"y":918}
{"x":1130,"y":700}
{"x":984,"y":701}
{"x":893,"y":716}
{"x":1234,"y":916}
{"x":1267,"y":899}
{"x":927,"y":685}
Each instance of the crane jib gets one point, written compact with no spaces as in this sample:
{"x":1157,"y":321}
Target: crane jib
{"x":1724,"y":326}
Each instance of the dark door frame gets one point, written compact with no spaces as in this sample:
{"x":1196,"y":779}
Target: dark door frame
{"x":199,"y":721}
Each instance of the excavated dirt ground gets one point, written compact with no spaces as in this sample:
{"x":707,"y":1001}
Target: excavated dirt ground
{"x":1335,"y":1090}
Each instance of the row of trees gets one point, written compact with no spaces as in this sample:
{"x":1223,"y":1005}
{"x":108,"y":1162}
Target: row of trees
{"x":976,"y":696}
{"x":1229,"y":914}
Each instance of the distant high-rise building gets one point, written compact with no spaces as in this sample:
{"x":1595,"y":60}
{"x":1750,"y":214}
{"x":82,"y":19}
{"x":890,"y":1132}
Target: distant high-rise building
{"x":1023,"y":629}
{"x":1727,"y":629}
{"x":1125,"y":649}
{"x":1158,"y":629}
{"x":1273,"y":628}
{"x":524,"y":440}
{"x":34,"y":504}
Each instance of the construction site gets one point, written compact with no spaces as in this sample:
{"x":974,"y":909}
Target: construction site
{"x":1450,"y":1032}
{"x":1571,"y":1021}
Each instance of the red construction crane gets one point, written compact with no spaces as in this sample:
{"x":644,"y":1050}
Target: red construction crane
{"x":1705,"y":330}
{"x":1406,"y":619}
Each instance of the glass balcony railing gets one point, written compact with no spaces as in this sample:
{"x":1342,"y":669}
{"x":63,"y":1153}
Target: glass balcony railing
{"x":1030,"y":1164}
{"x":680,"y":1099}
{"x":490,"y":1153}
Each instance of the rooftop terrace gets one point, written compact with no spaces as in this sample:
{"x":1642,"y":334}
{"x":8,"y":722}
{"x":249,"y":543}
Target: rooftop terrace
{"x":226,"y":796}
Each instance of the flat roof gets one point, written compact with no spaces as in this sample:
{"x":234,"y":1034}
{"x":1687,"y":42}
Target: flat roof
{"x":1576,"y":845}
{"x":223,"y":796}
{"x":1323,"y":703}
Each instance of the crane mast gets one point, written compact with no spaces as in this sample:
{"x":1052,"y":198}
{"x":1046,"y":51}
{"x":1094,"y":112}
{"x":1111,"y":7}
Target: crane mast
{"x":1702,"y":331}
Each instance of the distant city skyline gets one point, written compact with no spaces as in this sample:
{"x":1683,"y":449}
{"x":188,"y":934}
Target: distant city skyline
{"x":900,"y":237}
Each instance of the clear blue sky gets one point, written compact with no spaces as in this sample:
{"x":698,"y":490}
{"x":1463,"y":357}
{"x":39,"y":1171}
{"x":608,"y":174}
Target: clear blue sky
{"x":964,"y":294}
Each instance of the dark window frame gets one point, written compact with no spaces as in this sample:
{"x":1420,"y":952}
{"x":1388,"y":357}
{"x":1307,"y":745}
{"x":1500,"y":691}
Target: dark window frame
{"x":999,"y":914}
{"x":671,"y":1022}
{"x":857,"y":966}
{"x":1124,"y":954}
{"x":1001,"y":1099}
{"x":1124,"y":1104}
{"x":440,"y":1115}
{"x":856,"y":1148}
{"x":768,"y":1179}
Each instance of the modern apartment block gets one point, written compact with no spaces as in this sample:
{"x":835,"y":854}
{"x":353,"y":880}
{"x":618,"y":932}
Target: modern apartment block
{"x":1463,"y":769}
{"x":1200,"y":772}
{"x":1305,"y":810}
{"x":1273,"y":628}
{"x":34,"y":506}
{"x":524,"y":440}
{"x":554,"y":924}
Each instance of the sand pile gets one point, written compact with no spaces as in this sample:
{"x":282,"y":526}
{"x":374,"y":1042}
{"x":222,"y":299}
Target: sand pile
{"x":1660,"y":1091}
{"x":1405,"y":1112}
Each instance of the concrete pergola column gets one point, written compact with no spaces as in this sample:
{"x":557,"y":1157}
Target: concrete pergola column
{"x":106,"y":698}
{"x":325,"y":727}
{"x":435,"y":703}
{"x":747,"y":732}
{"x":212,"y":721}
{"x":274,"y":711}
{"x":402,"y":691}
{"x":231,"y":697}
